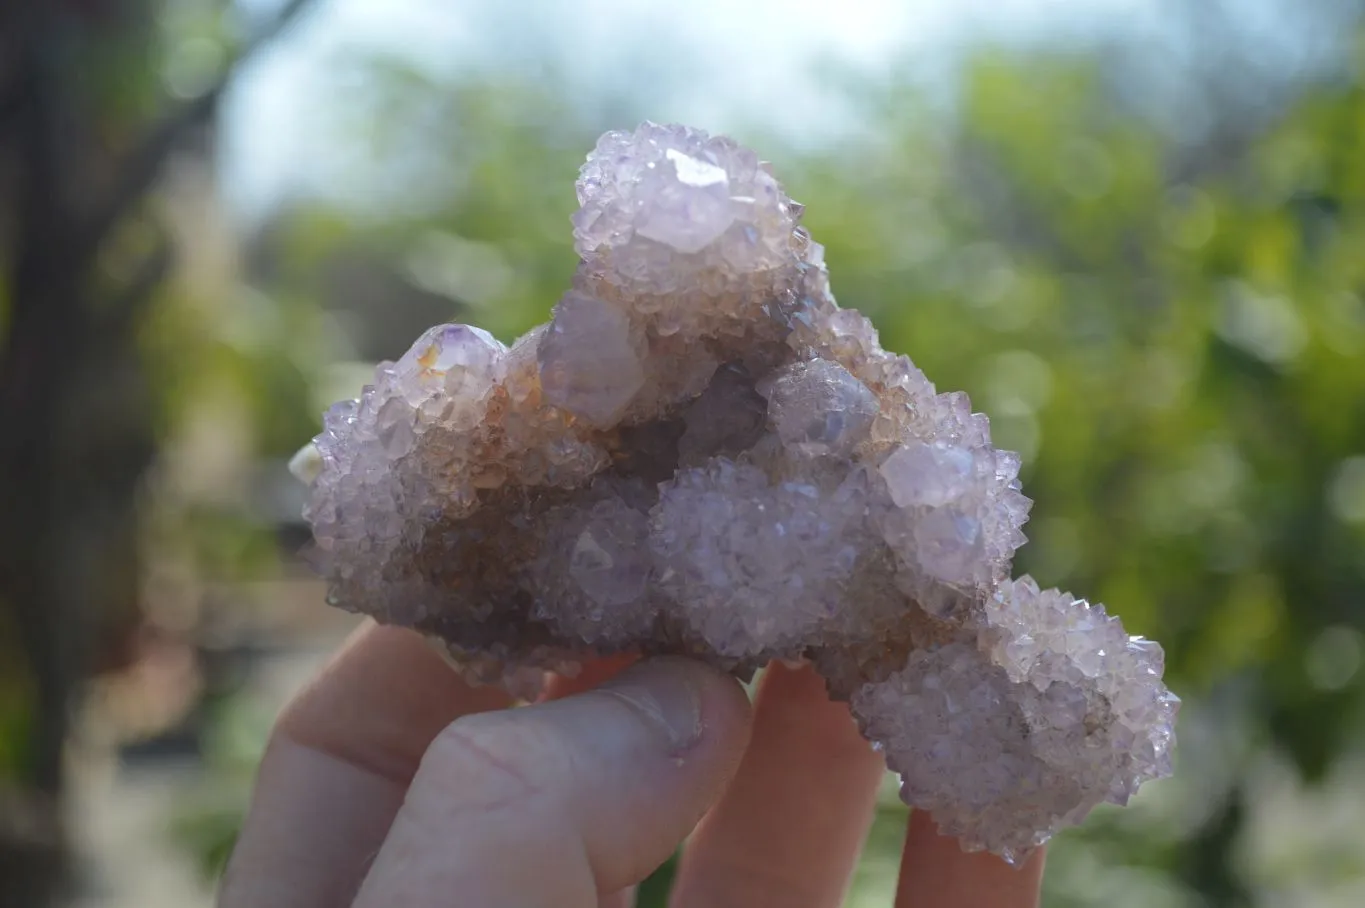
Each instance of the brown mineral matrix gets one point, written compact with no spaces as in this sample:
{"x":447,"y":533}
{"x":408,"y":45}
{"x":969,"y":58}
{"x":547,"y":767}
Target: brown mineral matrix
{"x":703,"y":454}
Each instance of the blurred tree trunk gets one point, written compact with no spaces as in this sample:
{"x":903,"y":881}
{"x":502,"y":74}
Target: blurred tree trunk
{"x":42,"y":303}
{"x":75,"y":427}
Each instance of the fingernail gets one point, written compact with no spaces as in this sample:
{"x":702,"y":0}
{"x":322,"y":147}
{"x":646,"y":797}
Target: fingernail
{"x":664,"y":691}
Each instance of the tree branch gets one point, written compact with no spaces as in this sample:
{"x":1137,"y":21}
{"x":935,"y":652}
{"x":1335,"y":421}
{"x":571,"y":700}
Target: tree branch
{"x":139,"y":170}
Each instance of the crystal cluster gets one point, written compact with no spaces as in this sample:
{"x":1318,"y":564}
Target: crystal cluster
{"x":703,"y":454}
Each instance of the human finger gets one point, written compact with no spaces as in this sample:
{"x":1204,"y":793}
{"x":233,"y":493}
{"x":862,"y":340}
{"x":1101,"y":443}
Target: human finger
{"x":337,"y":766}
{"x":559,"y":803}
{"x":791,"y":824}
{"x":560,"y":686}
{"x":935,"y":871}
{"x":590,"y":675}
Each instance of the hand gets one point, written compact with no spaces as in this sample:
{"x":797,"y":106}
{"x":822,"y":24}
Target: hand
{"x":390,"y":782}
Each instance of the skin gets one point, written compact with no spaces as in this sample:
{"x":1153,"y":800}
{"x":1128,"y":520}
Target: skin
{"x":389,"y":781}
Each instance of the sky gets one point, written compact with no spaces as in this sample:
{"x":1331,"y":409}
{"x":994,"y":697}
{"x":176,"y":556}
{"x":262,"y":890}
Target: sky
{"x":714,"y":62}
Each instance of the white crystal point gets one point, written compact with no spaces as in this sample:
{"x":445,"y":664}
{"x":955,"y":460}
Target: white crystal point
{"x":306,"y":464}
{"x":818,"y":407}
{"x":589,"y":364}
{"x":454,"y":359}
{"x":448,"y":348}
{"x":672,"y":198}
{"x":949,"y":544}
{"x":684,"y":202}
{"x":931,"y":475}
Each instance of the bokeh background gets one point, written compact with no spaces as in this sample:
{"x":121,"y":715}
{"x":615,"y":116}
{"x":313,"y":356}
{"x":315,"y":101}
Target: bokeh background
{"x":1133,"y":231}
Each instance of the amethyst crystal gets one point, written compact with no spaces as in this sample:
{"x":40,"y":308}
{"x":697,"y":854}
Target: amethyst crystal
{"x":703,"y":454}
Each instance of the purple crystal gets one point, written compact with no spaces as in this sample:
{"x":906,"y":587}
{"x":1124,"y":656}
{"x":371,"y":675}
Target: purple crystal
{"x":703,"y":454}
{"x":588,"y":363}
{"x":817,"y":407}
{"x":684,"y":202}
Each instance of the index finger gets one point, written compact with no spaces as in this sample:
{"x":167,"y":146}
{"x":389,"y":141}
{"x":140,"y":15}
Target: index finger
{"x":339,"y":761}
{"x":936,"y":871}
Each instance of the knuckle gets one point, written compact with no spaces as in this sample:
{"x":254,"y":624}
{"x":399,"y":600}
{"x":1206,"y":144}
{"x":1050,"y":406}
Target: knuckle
{"x":493,"y":762}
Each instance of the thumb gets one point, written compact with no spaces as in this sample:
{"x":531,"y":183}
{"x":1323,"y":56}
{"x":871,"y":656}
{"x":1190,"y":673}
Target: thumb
{"x":555,"y":803}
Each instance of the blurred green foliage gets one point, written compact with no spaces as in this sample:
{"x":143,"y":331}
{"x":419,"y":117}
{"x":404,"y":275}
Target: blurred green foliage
{"x":1171,"y":330}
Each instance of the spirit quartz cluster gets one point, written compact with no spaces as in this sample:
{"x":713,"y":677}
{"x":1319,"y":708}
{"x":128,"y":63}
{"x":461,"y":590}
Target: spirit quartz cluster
{"x":701,"y":453}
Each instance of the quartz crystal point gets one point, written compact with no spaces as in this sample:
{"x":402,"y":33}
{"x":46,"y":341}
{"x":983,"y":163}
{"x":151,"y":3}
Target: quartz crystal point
{"x":701,"y":453}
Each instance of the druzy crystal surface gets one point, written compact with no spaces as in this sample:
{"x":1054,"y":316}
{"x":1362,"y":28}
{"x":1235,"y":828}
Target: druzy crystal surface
{"x":703,"y":454}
